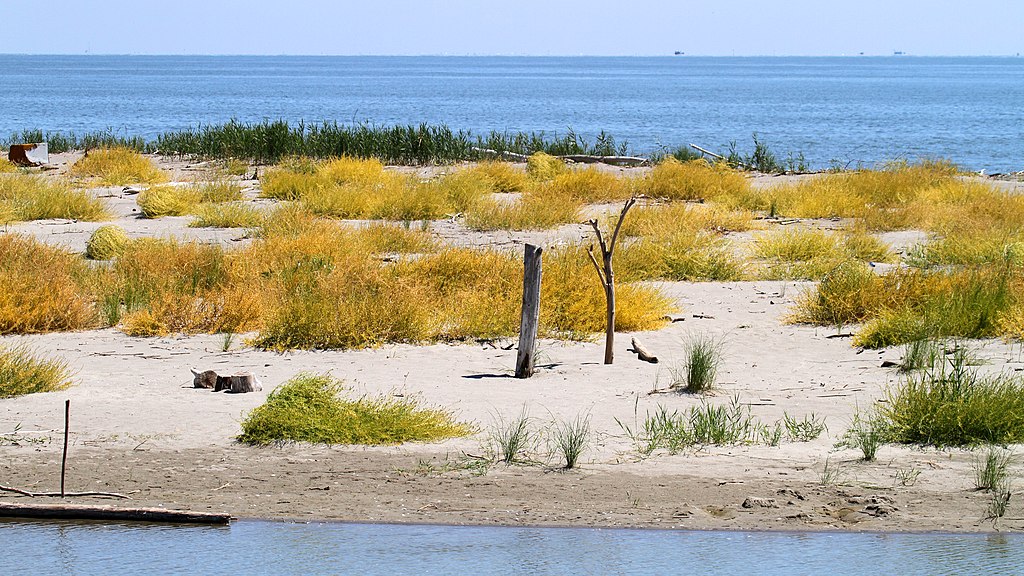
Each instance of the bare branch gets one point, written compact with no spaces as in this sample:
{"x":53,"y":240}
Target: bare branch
{"x":600,"y":237}
{"x":618,"y":225}
{"x":593,"y":260}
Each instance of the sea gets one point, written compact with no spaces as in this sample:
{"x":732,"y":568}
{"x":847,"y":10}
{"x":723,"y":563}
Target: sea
{"x":834,"y":111}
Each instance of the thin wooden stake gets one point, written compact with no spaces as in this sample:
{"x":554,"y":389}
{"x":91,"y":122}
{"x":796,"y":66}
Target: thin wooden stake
{"x":64,"y":458}
{"x":531,"y":311}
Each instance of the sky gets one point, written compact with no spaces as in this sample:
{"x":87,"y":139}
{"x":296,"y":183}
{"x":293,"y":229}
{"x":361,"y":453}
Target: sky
{"x":520,"y":27}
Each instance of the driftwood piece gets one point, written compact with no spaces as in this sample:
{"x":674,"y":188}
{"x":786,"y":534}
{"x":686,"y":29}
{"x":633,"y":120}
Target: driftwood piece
{"x":243,"y":382}
{"x":643,"y":353}
{"x":613,"y":160}
{"x":718,"y":156}
{"x":84,"y":512}
{"x":579,"y":158}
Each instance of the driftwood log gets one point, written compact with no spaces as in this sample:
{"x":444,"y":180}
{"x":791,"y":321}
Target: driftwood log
{"x":643,"y":353}
{"x":579,"y":158}
{"x":238,"y":383}
{"x":244,"y":382}
{"x":82,"y":512}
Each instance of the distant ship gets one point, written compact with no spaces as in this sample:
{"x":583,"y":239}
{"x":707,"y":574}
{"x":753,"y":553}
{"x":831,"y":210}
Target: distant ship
{"x":678,"y":53}
{"x":898,"y":53}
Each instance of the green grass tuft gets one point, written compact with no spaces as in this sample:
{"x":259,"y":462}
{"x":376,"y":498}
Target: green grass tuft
{"x":22,"y":371}
{"x":307,"y":408}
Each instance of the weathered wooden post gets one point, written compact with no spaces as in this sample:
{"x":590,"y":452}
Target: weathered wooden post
{"x":531,"y":311}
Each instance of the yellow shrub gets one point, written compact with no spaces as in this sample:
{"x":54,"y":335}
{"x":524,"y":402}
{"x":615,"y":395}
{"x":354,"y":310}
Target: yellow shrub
{"x":218,"y":191}
{"x":106,"y":242}
{"x":7,"y":166}
{"x":536,"y":210}
{"x":541,"y":166}
{"x":24,"y":198}
{"x":694,"y":180}
{"x":501,"y":176}
{"x":42,"y":289}
{"x":589,"y":185}
{"x":669,"y":219}
{"x":160,"y":201}
{"x":118,"y":166}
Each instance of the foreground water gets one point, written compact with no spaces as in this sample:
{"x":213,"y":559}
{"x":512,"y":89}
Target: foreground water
{"x":255,"y":547}
{"x":842,"y":109}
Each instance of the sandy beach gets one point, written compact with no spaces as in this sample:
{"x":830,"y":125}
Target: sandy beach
{"x":139,"y":428}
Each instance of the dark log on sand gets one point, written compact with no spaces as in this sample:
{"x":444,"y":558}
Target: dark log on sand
{"x":244,"y":382}
{"x":643,"y":353}
{"x":84,"y":512}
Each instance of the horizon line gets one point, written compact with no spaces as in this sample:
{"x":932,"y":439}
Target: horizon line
{"x":893,"y":54}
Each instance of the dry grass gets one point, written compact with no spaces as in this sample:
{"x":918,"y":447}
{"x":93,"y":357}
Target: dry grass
{"x":686,"y":256}
{"x":106,"y":242}
{"x":42,"y":289}
{"x":694,"y":180}
{"x":26,"y":197}
{"x":500,"y":176}
{"x":542,"y":167}
{"x":118,"y":166}
{"x":661,"y":221}
{"x":536,"y":210}
{"x":226,"y":215}
{"x":7,"y":167}
{"x":160,"y":201}
{"x":800,"y":253}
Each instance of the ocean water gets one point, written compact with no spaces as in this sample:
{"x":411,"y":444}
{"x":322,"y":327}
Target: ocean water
{"x":253,"y":547}
{"x":845,"y":110}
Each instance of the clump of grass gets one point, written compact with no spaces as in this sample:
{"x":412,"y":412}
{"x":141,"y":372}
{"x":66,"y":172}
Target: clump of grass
{"x":685,"y":256}
{"x":536,"y":210}
{"x":229,"y":215}
{"x":235,"y":167}
{"x":571,"y":439}
{"x":28,"y":197}
{"x":542,"y":166}
{"x":218,"y":191}
{"x":118,"y":166}
{"x":831,"y":474}
{"x":694,"y":180}
{"x":160,"y":201}
{"x":23,"y":371}
{"x":501,"y":176}
{"x":42,"y":288}
{"x":990,"y":471}
{"x":706,"y":424}
{"x":952,"y":405}
{"x":803,"y":430}
{"x":590,"y":185}
{"x":703,"y":355}
{"x":106,"y":242}
{"x":922,"y":354}
{"x":866,"y":433}
{"x":307,"y":408}
{"x":7,"y":167}
{"x":666,"y":220}
{"x":813,"y":254}
{"x":513,"y":439}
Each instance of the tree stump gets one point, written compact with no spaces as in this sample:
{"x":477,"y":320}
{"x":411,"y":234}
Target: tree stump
{"x":243,"y":382}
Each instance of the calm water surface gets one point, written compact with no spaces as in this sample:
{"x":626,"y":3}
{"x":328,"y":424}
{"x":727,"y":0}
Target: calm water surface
{"x":848,"y":109}
{"x":255,"y":547}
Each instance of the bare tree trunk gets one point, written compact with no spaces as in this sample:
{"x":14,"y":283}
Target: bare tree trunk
{"x":531,"y":311}
{"x":607,"y":277}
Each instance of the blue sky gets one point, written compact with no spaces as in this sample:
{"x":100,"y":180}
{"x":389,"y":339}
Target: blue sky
{"x":574,"y":27}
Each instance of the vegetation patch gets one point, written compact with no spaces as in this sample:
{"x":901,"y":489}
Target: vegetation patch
{"x":23,"y":371}
{"x":27,"y":197}
{"x":118,"y":166}
{"x":106,"y":242}
{"x":308,"y":408}
{"x":42,"y":288}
